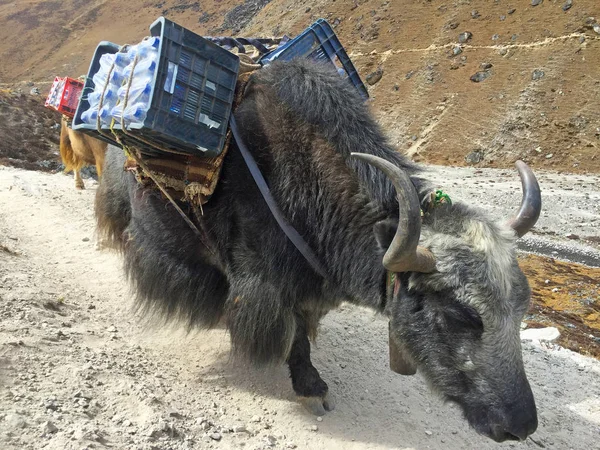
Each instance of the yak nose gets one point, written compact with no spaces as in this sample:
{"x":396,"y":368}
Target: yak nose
{"x":521,"y":420}
{"x":522,"y":425}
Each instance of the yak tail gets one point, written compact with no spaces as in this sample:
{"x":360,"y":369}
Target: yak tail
{"x":67,"y":154}
{"x":112,"y":204}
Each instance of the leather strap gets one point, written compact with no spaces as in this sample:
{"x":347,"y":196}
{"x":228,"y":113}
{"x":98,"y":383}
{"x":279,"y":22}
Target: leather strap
{"x":285,"y":226}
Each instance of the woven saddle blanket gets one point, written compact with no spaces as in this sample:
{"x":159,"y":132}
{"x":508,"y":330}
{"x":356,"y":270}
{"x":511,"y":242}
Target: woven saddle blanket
{"x":185,"y":177}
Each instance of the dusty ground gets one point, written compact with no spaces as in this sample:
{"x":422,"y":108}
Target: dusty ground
{"x":73,"y":354}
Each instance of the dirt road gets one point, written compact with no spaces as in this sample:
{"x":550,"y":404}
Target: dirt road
{"x":79,"y":370}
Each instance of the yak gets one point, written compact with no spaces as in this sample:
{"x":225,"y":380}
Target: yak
{"x":78,"y":150}
{"x":366,"y":212}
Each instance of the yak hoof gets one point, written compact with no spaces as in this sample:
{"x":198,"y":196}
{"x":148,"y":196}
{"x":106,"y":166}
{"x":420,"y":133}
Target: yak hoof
{"x":318,"y":405}
{"x":80,"y":186}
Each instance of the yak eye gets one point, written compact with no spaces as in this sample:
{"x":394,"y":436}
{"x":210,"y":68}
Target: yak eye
{"x":465,"y":315}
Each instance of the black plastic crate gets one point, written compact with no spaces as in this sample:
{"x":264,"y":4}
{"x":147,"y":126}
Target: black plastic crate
{"x":319,"y":42}
{"x":191,"y":97}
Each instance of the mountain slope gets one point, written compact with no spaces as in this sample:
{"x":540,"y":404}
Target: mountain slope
{"x":539,"y":67}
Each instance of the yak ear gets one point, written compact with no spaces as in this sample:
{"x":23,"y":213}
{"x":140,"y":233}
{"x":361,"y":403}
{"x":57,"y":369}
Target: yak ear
{"x":385,"y":230}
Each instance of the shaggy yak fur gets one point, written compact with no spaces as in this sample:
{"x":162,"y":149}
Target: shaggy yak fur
{"x":78,"y":150}
{"x":301,"y":121}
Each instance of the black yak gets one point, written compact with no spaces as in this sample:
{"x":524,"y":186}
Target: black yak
{"x":459,"y":295}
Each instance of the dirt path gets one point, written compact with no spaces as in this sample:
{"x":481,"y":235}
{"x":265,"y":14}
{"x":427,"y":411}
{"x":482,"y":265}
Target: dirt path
{"x":72,"y":354}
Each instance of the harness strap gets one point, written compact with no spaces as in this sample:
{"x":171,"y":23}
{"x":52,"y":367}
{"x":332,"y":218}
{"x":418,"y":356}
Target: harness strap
{"x":285,"y":226}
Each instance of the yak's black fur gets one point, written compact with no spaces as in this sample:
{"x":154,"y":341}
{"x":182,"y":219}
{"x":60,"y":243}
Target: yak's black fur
{"x":303,"y":120}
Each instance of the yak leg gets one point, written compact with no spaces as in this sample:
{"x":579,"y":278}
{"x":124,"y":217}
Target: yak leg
{"x":310,"y":388}
{"x":78,"y":180}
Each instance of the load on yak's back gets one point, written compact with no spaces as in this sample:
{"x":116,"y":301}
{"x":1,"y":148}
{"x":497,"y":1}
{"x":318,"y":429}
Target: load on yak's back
{"x":312,"y":207}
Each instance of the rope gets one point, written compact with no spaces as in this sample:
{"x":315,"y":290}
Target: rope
{"x":142,"y":164}
{"x":139,"y":161}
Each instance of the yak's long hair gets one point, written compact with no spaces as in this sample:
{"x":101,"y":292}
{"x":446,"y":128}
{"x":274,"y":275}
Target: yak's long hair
{"x":301,"y":121}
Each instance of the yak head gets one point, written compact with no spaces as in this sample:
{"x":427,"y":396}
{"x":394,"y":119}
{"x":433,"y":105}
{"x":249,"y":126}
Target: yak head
{"x":459,"y":299}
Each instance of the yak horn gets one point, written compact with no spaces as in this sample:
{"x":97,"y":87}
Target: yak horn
{"x":531,"y":204}
{"x":404,"y":253}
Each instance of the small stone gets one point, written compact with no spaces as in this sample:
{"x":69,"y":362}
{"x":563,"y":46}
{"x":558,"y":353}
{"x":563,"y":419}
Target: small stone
{"x":255,"y":419}
{"x":307,"y":10}
{"x":464,"y":37}
{"x":549,"y":155}
{"x":475,"y":14}
{"x":555,"y":290}
{"x":480,"y":76}
{"x":428,"y":433}
{"x":596,"y":28}
{"x":374,"y":77}
{"x":290,"y":445}
{"x":15,"y":421}
{"x":49,"y":428}
{"x":314,"y":428}
{"x":495,"y":37}
{"x":215,"y":436}
{"x":572,"y":236}
{"x":537,"y":74}
{"x":512,"y":10}
{"x":474,"y":157}
{"x":486,"y":66}
{"x":86,"y":239}
{"x":409,"y":75}
{"x":319,"y":419}
{"x":536,"y":2}
{"x":271,"y":440}
{"x":540,"y":334}
{"x":567,"y":5}
{"x":112,"y":329}
{"x":239,"y":429}
{"x":35,"y":91}
{"x":457,"y":50}
{"x":502,"y":18}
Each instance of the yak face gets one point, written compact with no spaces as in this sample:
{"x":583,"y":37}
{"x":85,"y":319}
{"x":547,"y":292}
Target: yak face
{"x":460,"y":324}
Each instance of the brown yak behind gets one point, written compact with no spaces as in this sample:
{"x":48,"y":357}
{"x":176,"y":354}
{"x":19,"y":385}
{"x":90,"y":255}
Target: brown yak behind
{"x":78,"y":150}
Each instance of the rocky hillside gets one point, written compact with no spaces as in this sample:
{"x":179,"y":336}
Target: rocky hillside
{"x":462,"y":82}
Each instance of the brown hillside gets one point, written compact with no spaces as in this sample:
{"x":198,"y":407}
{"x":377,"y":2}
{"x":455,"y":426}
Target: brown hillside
{"x":425,"y":99}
